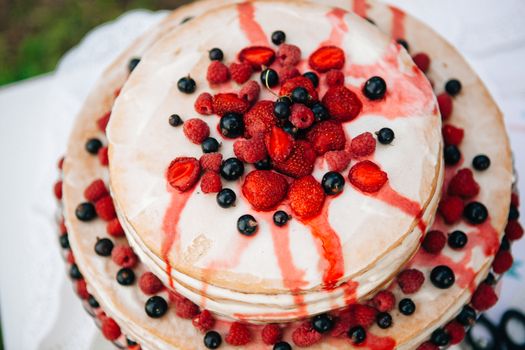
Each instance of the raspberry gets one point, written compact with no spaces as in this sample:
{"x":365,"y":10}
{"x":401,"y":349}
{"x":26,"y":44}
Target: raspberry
{"x":105,"y":208}
{"x":363,"y":145}
{"x":238,"y":335}
{"x":229,"y":103}
{"x":455,"y":331}
{"x":342,"y":104}
{"x":306,"y":197}
{"x":57,"y":189}
{"x":60,"y":163}
{"x":427,"y":346}
{"x":362,"y":315}
{"x":452,"y":135}
{"x":257,"y":56}
{"x":384,"y":301}
{"x":327,"y":136}
{"x":204,"y":104}
{"x":149,"y":283}
{"x":410,"y":280}
{"x":183,"y":173}
{"x":289,"y":85}
{"x":484,"y":297}
{"x":445,"y":105}
{"x":451,"y":209}
{"x":70,"y":258}
{"x":260,"y":118}
{"x":81,"y":288}
{"x":203,"y":321}
{"x":196,"y":130}
{"x":288,"y":55}
{"x":185,"y":308}
{"x":271,"y":334}
{"x":300,"y":162}
{"x":96,"y":190}
{"x":211,"y":182}
{"x":341,"y":325}
{"x":434,"y":241}
{"x":502,"y":262}
{"x":211,"y":161}
{"x":264,"y":189}
{"x":515,"y":199}
{"x":337,"y":160}
{"x":326,"y":58}
{"x":513,"y":231}
{"x":279,"y":144}
{"x":305,"y":335}
{"x":335,"y":78}
{"x":217,"y":73}
{"x":251,"y":150}
{"x":110,"y":329}
{"x":367,"y":176}
{"x":62,"y":227}
{"x":288,"y":72}
{"x":113,"y":228}
{"x":463,"y":184}
{"x":123,"y":256}
{"x":250,"y":91}
{"x":301,"y":116}
{"x":422,"y":61}
{"x":103,"y":156}
{"x":103,"y":121}
{"x":241,"y":72}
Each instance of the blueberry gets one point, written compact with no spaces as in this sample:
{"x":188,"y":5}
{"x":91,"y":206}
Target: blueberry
{"x":403,"y":43}
{"x":467,"y":316}
{"x":505,"y":244}
{"x":216,"y":54}
{"x":212,"y":340}
{"x":442,"y":277}
{"x":439,"y":337}
{"x":333,"y":183}
{"x":64,"y":241}
{"x":290,"y":128}
{"x":282,"y":345}
{"x":384,"y":320}
{"x":457,"y":239}
{"x":281,"y":110}
{"x":406,"y":306}
{"x":280,"y":218}
{"x":85,"y":211}
{"x":278,"y":37}
{"x":285,"y":99}
{"x":300,"y":95}
{"x":210,"y":145}
{"x":104,"y":247}
{"x":314,"y":78}
{"x":453,"y":87}
{"x":265,"y":164}
{"x":323,"y":323}
{"x":130,"y":342}
{"x":125,"y":276}
{"x":475,"y":212}
{"x":226,"y":198}
{"x":452,"y":155}
{"x":186,"y":85}
{"x":156,"y":307}
{"x":357,"y":334}
{"x":375,"y":88}
{"x":175,"y":120}
{"x":133,"y":63}
{"x":93,"y":145}
{"x":93,"y":302}
{"x":385,"y":136}
{"x":514,"y":213}
{"x":269,"y":77}
{"x":481,"y":162}
{"x":320,"y":112}
{"x":74,"y":272}
{"x":232,"y":169}
{"x":247,"y":225}
{"x":232,"y":125}
{"x":490,"y":279}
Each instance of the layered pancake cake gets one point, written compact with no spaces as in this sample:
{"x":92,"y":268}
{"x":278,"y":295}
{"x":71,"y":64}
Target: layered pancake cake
{"x":280,"y":174}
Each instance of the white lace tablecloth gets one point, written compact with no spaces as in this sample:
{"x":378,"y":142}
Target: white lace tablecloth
{"x":38,"y":307}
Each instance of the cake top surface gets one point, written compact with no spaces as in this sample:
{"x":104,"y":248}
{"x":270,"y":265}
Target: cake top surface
{"x":353,"y":242}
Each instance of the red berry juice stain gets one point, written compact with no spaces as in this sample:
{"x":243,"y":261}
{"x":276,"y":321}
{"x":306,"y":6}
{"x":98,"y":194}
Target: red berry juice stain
{"x":360,"y":7}
{"x":374,"y":342}
{"x":398,"y":23}
{"x":251,"y":28}
{"x":339,"y":27}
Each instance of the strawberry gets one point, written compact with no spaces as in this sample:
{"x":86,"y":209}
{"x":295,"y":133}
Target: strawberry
{"x":434,"y":241}
{"x":96,"y":190}
{"x":289,"y":85}
{"x":103,"y":121}
{"x":302,"y":117}
{"x":124,"y":256}
{"x":342,"y":104}
{"x":241,"y":72}
{"x":327,"y":136}
{"x":257,"y":56}
{"x":445,"y":105}
{"x":203,"y":321}
{"x":410,"y":280}
{"x":264,"y":189}
{"x":238,"y":334}
{"x":113,"y":228}
{"x":150,"y":284}
{"x":229,"y":103}
{"x":204,"y":104}
{"x":288,"y":55}
{"x":384,"y":301}
{"x":305,"y":335}
{"x":105,"y":208}
{"x":196,"y":130}
{"x":337,"y":160}
{"x":250,"y":91}
{"x":102,"y":155}
{"x":452,"y":135}
{"x":211,"y":161}
{"x":251,"y":150}
{"x":279,"y":144}
{"x":456,"y":332}
{"x":513,"y":231}
{"x":367,"y":176}
{"x":271,"y":334}
{"x":183,"y":173}
{"x":110,"y":329}
{"x":422,"y":61}
{"x":451,"y":209}
{"x":217,"y":73}
{"x":260,"y":118}
{"x":463,"y":184}
{"x":484,"y":297}
{"x":335,"y":77}
{"x":502,"y":262}
{"x":300,"y":162}
{"x":306,"y":197}
{"x":326,"y":58}
{"x":363,"y":145}
{"x":211,"y":182}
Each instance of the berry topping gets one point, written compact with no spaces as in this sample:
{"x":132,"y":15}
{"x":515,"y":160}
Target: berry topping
{"x":453,"y":87}
{"x":175,"y":120}
{"x":238,"y":334}
{"x":110,"y":329}
{"x":216,"y":54}
{"x":406,"y":306}
{"x":203,"y":105}
{"x":282,"y":346}
{"x":484,"y":297}
{"x":335,"y":78}
{"x":445,"y":105}
{"x":367,"y":176}
{"x":217,"y":73}
{"x":422,"y":61}
{"x":257,"y":56}
{"x":306,"y":197}
{"x":467,"y":316}
{"x":149,"y":283}
{"x":410,"y":280}
{"x":451,"y":209}
{"x":288,"y":72}
{"x":103,"y":121}
{"x":278,"y":37}
{"x":241,"y":72}
{"x":327,"y":136}
{"x":271,"y":334}
{"x":74,"y":272}
{"x":81,"y":289}
{"x":103,"y":247}
{"x":427,"y":346}
{"x":196,"y":130}
{"x":288,"y":55}
{"x":323,"y":323}
{"x":481,"y":162}
{"x":103,"y":156}
{"x":251,"y":150}
{"x":210,"y":145}
{"x":385,"y":136}
{"x":302,"y":117}
{"x":226,"y":198}
{"x":452,"y":155}
{"x":476,"y":213}
{"x":282,"y":110}
{"x":203,"y":321}
{"x":125,"y":276}
{"x":280,"y":218}
{"x":291,"y":84}
{"x":514,"y":213}
{"x":333,"y":183}
{"x":211,"y":182}
{"x":357,"y":334}
{"x":375,"y":88}
{"x":326,"y":58}
{"x":105,"y":208}
{"x":290,"y":129}
{"x":133,"y":63}
{"x":184,"y":308}
{"x":439,"y":337}
{"x":342,"y":104}
{"x":434,"y":242}
{"x":384,"y":320}
{"x":156,"y":307}
{"x":123,"y":255}
{"x":314,"y":78}
{"x":463,"y":184}
{"x":455,"y":331}
{"x":264,"y":189}
{"x":186,"y":85}
{"x":305,"y":335}
{"x":384,"y":301}
{"x":64,"y":241}
{"x":224,"y":103}
{"x":502,"y":262}
{"x":232,"y":125}
{"x":442,"y":277}
{"x":211,"y":161}
{"x":93,"y":302}
{"x":265,"y":164}
{"x":183,"y":173}
{"x":363,"y":145}
{"x":247,"y":225}
{"x":260,"y":118}
{"x":513,"y":230}
{"x":320,"y":112}
{"x":96,"y":190}
{"x":232,"y":169}
{"x":269,"y":78}
{"x":300,"y":162}
{"x":212,"y":340}
{"x":337,"y":160}
{"x":250,"y":91}
{"x":93,"y":145}
{"x":300,"y":95}
{"x":403,"y":43}
{"x":457,"y":239}
{"x":452,"y":135}
{"x":279,"y":144}
{"x":85,"y":212}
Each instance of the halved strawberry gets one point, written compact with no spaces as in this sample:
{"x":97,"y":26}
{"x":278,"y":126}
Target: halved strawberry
{"x":260,"y":118}
{"x":257,"y":56}
{"x":264,"y":189}
{"x":300,"y":162}
{"x":367,"y":176}
{"x":229,"y":103}
{"x":183,"y":173}
{"x":327,"y":136}
{"x":326,"y":58}
{"x":289,"y":85}
{"x":306,"y":197}
{"x":279,"y":144}
{"x":342,"y":104}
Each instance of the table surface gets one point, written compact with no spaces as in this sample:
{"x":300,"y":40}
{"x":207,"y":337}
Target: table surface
{"x":37,"y":299}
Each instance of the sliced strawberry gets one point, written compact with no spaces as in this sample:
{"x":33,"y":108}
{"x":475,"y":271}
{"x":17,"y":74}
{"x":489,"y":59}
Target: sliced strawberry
{"x":264,"y":189}
{"x":327,"y":136}
{"x":257,"y":56}
{"x":183,"y":173}
{"x":326,"y":58}
{"x":306,"y":197}
{"x":229,"y":103}
{"x":260,"y":118}
{"x":342,"y":104}
{"x":289,"y":85}
{"x":300,"y":162}
{"x":279,"y":144}
{"x":367,"y":176}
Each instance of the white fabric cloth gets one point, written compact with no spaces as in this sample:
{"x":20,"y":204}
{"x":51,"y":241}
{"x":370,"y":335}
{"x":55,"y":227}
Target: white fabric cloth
{"x":38,"y":307}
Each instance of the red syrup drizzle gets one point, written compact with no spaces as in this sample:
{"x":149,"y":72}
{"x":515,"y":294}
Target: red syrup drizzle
{"x":398,"y":23}
{"x":339,"y":27}
{"x":360,"y":8}
{"x":374,"y":342}
{"x":249,"y":25}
